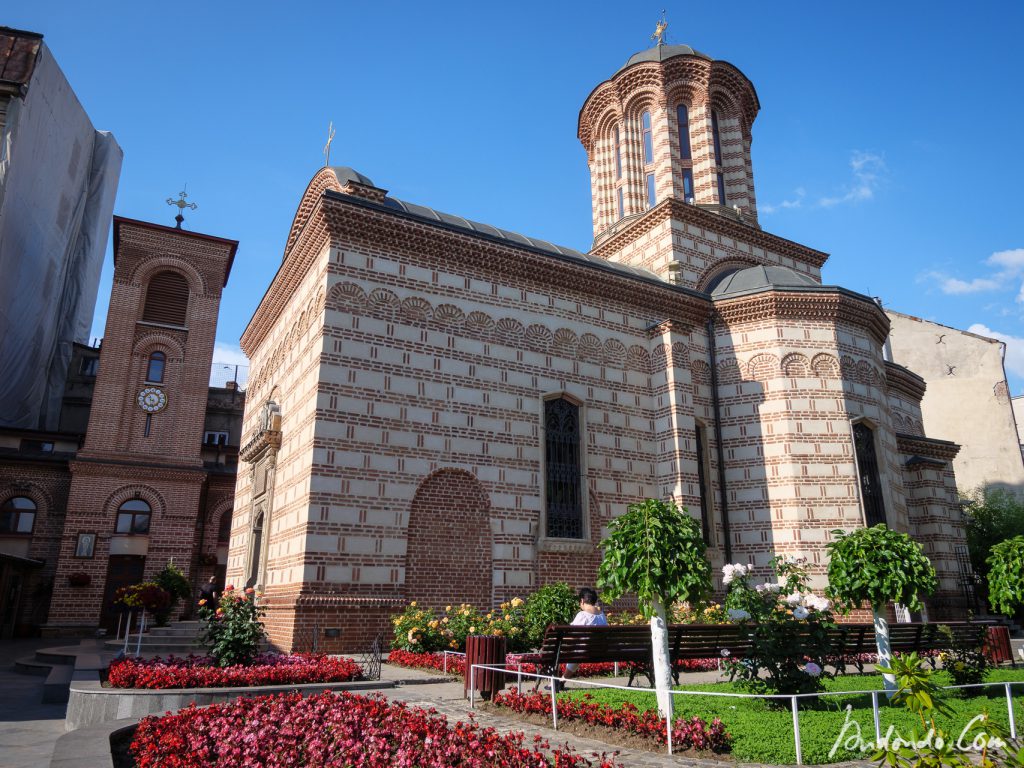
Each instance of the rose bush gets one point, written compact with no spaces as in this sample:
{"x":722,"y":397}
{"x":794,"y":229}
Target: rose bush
{"x":692,"y":733}
{"x":335,"y":730}
{"x":233,"y":627}
{"x":789,"y":627}
{"x":201,"y":671}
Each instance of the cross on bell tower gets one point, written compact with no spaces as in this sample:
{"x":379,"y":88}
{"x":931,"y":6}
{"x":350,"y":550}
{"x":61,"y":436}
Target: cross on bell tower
{"x":182,"y":205}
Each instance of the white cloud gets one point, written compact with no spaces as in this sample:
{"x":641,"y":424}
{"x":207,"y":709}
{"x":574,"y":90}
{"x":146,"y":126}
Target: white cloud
{"x":1009,"y":269}
{"x":795,"y":202}
{"x":868,"y":171}
{"x":955,"y":287}
{"x":1014,"y":359}
{"x":1011,"y":262}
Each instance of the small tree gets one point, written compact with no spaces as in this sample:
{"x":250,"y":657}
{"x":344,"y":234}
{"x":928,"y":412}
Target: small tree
{"x":991,"y":515}
{"x":877,"y":565}
{"x":1006,"y":575}
{"x":656,"y":551}
{"x":553,"y":603}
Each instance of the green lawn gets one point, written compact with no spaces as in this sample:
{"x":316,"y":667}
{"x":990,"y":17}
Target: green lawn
{"x":764,"y":734}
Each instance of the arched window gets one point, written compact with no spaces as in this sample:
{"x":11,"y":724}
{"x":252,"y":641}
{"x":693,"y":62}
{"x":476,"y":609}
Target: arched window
{"x":155,"y":368}
{"x":719,"y":168}
{"x":685,"y":154}
{"x":867,"y":468}
{"x":17,"y":515}
{"x":166,"y":299}
{"x":133,"y":517}
{"x":562,"y":469}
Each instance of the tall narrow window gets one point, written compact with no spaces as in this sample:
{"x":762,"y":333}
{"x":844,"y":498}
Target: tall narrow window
{"x":867,"y":466}
{"x":685,"y":154}
{"x":17,"y":515}
{"x":166,"y":299}
{"x":562,"y":464}
{"x":622,"y":203}
{"x":155,"y":369}
{"x":618,"y":154}
{"x":702,"y":483}
{"x":645,"y":121}
{"x":133,"y":517}
{"x":719,"y":168}
{"x":652,"y":197}
{"x":683,"y":116}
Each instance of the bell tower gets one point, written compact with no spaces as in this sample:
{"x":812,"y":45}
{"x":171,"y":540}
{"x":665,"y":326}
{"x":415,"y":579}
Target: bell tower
{"x":139,"y":484}
{"x":671,"y":127}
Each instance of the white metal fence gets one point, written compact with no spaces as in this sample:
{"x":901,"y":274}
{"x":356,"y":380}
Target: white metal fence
{"x":794,"y":699}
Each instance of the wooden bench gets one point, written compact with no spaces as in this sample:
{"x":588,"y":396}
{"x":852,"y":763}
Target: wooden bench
{"x":571,"y":644}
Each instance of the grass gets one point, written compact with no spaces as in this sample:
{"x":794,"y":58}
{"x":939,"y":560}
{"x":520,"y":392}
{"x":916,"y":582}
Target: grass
{"x":763,"y":733}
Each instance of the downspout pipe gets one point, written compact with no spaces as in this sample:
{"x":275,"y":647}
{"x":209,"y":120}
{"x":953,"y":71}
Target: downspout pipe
{"x":719,"y":449}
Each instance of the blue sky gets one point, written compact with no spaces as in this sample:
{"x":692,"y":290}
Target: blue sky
{"x":888,"y":136}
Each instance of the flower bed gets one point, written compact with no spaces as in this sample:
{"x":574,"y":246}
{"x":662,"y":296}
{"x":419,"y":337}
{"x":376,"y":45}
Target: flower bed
{"x":457,"y":664}
{"x":334,"y":729}
{"x":200,"y":672}
{"x":692,"y":733}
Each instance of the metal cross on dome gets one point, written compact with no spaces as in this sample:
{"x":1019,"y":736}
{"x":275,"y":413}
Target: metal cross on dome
{"x":182,"y":205}
{"x":659,"y":29}
{"x":327,"y":146}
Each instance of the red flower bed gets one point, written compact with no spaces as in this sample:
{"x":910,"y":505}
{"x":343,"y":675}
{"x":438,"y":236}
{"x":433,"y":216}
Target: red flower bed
{"x":686,"y":734}
{"x":334,"y":730}
{"x":457,"y":664}
{"x":200,"y":672}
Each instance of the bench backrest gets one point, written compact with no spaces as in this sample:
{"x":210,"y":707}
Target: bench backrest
{"x":596,"y":644}
{"x":571,"y":643}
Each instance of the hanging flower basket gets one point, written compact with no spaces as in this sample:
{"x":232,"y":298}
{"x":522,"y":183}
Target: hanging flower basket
{"x":79,"y":579}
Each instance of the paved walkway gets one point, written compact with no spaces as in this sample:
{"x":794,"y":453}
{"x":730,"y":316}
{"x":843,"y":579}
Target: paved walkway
{"x":28,"y":729}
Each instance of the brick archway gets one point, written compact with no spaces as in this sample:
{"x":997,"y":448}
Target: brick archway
{"x":448,"y":557}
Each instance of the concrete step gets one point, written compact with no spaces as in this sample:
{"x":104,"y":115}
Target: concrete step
{"x":56,"y":656}
{"x":57,"y":685}
{"x":30,"y":665}
{"x":172,"y":632}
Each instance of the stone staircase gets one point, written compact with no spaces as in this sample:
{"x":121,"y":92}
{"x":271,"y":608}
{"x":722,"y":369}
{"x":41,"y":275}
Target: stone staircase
{"x":64,"y":664}
{"x":179,"y":639}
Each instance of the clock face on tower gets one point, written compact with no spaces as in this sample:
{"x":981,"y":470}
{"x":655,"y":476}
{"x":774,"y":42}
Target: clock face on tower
{"x":152,"y":399}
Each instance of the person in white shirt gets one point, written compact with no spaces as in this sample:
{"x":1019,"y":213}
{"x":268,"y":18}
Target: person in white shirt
{"x":590,"y":614}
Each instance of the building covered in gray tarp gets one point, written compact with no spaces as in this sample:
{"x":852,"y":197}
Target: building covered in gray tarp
{"x":58,"y":180}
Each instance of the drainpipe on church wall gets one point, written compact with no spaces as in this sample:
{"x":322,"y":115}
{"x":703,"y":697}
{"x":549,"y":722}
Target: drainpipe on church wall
{"x":719,"y":450}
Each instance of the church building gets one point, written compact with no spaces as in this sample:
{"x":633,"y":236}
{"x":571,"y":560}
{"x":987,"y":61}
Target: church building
{"x":445,"y":411}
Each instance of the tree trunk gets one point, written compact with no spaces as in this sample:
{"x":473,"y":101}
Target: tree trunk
{"x":662,"y":664}
{"x":884,"y":653}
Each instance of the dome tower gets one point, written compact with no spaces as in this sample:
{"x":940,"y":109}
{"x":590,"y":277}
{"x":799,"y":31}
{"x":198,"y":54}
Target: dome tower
{"x":672,"y":122}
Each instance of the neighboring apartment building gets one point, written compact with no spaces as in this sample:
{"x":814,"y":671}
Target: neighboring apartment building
{"x":445,"y":411}
{"x":142,"y":469}
{"x":967,"y":399}
{"x":58,"y":179}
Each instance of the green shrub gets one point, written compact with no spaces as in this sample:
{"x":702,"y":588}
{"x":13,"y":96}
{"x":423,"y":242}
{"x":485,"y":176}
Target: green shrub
{"x":965,"y":664}
{"x":233,"y":627}
{"x":555,"y":603}
{"x":1006,"y":576}
{"x":173,"y":581}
